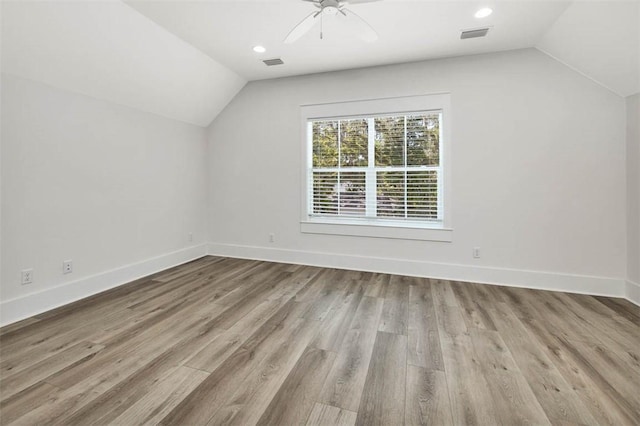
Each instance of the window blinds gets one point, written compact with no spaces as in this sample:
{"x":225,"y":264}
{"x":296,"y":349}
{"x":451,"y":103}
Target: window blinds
{"x":381,"y":167}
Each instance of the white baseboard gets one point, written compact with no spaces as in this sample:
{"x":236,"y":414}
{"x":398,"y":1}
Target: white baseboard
{"x":633,"y":292}
{"x":36,"y":303}
{"x":599,"y":286}
{"x":33,"y":304}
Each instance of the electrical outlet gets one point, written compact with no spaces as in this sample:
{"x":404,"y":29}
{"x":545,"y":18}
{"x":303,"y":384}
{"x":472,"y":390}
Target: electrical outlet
{"x":272,"y":238}
{"x":190,"y":237}
{"x":476,"y":252}
{"x":67,"y":266}
{"x":27,"y":276}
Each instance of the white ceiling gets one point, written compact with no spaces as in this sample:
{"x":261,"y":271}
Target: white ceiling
{"x":408,"y":31}
{"x":600,"y":40}
{"x":187,"y":59}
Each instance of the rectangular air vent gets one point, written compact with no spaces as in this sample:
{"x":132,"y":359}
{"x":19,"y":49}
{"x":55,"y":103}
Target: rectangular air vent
{"x":272,"y":62}
{"x":480,"y":32}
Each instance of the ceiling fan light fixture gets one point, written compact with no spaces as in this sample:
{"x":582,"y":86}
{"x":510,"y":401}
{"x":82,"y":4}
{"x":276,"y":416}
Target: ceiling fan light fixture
{"x":483,"y":13}
{"x":330,"y":10}
{"x":336,"y":8}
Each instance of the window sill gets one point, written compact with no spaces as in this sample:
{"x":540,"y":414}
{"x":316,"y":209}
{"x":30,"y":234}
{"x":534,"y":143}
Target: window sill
{"x":401,"y":231}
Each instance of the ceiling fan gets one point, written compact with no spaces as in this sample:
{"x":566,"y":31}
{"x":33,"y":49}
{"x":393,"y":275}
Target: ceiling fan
{"x":334,"y":8}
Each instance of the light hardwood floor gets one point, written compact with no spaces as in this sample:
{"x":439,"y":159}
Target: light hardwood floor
{"x":229,"y":341}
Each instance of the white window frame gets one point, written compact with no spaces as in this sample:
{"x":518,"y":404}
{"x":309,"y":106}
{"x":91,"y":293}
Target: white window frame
{"x":377,"y":228}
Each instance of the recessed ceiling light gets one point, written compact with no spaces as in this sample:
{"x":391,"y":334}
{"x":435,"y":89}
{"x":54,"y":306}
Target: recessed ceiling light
{"x":259,"y":49}
{"x":483,"y":13}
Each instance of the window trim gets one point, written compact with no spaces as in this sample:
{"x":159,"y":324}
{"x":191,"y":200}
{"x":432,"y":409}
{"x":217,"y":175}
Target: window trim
{"x":410,"y":230}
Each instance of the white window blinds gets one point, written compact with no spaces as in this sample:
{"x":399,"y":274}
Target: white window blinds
{"x":383,"y":167}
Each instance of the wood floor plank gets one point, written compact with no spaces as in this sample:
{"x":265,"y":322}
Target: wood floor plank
{"x":101,"y":394}
{"x":346,"y":380}
{"x":324,"y":415}
{"x":604,"y":401}
{"x":314,"y":287}
{"x":233,"y":313}
{"x":254,"y":393}
{"x":295,"y":399}
{"x":42,"y":370}
{"x":473,"y":305}
{"x":443,"y":293}
{"x":557,"y":398}
{"x":203,"y":403}
{"x":528,"y":307}
{"x":232,"y":341}
{"x":592,"y":305}
{"x":377,"y":285}
{"x":198,"y":287}
{"x":467,"y":385}
{"x":260,"y":278}
{"x":43,"y":331}
{"x":188,"y":268}
{"x":621,"y":307}
{"x":111,"y":404}
{"x":213,"y":354}
{"x":25,"y":401}
{"x":159,"y":295}
{"x":619,"y":382}
{"x":108,"y":330}
{"x":395,"y":314}
{"x":614,"y":330}
{"x":423,"y":338}
{"x":514,"y":400}
{"x":571,"y":322}
{"x":101,"y":388}
{"x":492,"y":351}
{"x":132,"y":351}
{"x":322,"y":304}
{"x":164,"y":396}
{"x":383,"y":397}
{"x":17,"y":326}
{"x":427,"y":398}
{"x":300,"y":277}
{"x":20,"y":358}
{"x":339,"y":318}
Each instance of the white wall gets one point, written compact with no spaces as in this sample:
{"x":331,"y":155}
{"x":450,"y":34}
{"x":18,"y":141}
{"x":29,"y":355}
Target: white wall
{"x":633,"y":196}
{"x":538,"y":173}
{"x":88,"y":180}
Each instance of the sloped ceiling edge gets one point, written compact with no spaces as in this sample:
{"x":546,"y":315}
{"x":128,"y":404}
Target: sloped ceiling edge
{"x":110,"y":51}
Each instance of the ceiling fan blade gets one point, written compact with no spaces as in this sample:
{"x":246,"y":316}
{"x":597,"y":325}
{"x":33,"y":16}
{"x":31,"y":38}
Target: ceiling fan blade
{"x":359,"y":26}
{"x":301,"y":29}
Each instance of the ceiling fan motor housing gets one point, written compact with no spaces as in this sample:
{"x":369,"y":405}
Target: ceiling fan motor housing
{"x":330,"y":7}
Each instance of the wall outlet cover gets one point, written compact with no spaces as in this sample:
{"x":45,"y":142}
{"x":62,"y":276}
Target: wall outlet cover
{"x":27,"y":276}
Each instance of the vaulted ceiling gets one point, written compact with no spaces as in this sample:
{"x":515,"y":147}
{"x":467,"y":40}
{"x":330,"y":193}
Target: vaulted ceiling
{"x":600,"y":39}
{"x":408,"y":31}
{"x":107,"y":50}
{"x":187,"y":59}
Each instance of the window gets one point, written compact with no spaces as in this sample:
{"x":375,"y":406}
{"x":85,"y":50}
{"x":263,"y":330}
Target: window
{"x":372,"y":168}
{"x":383,"y":167}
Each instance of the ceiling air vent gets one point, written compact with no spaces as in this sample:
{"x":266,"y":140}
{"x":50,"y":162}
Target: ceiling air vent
{"x":479,"y":32}
{"x":272,"y":62}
